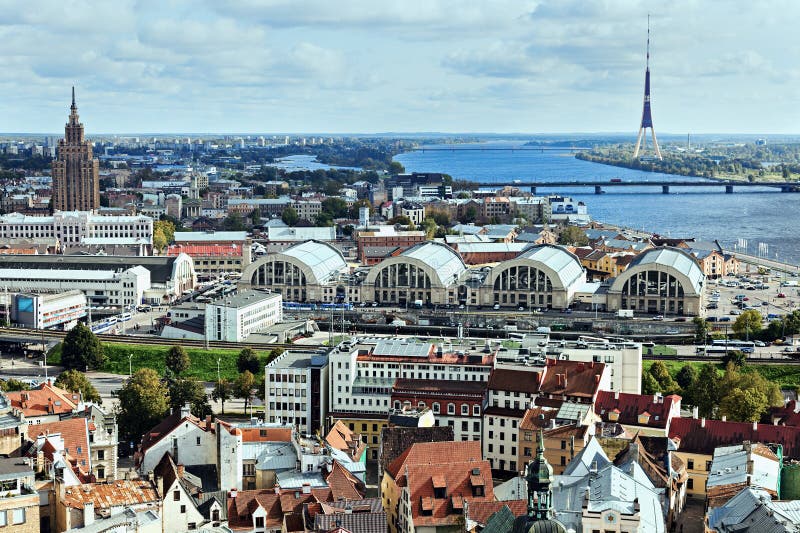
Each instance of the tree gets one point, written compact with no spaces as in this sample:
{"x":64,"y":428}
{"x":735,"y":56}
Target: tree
{"x":735,"y":357}
{"x":705,"y":392}
{"x":686,"y":377}
{"x":159,"y":240}
{"x":701,"y":329}
{"x":649,"y":383}
{"x":233,"y":222}
{"x":396,"y":168}
{"x":223,"y":391}
{"x":429,"y":227}
{"x":744,"y":405}
{"x":143,"y":402}
{"x":167,"y":228}
{"x":661,"y":374}
{"x":12,"y":385}
{"x":248,"y":361}
{"x":186,"y":391}
{"x":573,"y":236}
{"x":243,"y":387}
{"x":289,"y":216}
{"x":748,"y":323}
{"x":255,"y":217}
{"x":81,"y":349}
{"x":177,"y":360}
{"x":470,"y":214}
{"x":275,"y":352}
{"x":335,"y":207}
{"x":75,"y":381}
{"x":402,"y":220}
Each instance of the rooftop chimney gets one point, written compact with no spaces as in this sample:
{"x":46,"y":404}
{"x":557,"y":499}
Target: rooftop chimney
{"x":233,"y":494}
{"x":88,"y":513}
{"x":695,"y":412}
{"x":703,"y":422}
{"x":724,"y":418}
{"x":306,"y":488}
{"x":755,"y":426}
{"x":186,"y":410}
{"x":181,"y":469}
{"x":616,"y":395}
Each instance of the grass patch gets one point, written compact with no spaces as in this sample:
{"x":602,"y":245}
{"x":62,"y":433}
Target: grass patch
{"x":203,"y":362}
{"x":786,"y":376}
{"x":511,"y":344}
{"x":660,"y":349}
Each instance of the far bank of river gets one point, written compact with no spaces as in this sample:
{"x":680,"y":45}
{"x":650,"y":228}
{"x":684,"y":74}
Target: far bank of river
{"x":757,"y":215}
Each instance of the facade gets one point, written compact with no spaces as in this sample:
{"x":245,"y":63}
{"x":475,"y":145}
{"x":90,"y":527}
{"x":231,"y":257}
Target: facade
{"x":233,"y":318}
{"x":311,"y":271}
{"x":458,"y":404}
{"x":72,"y":228}
{"x":44,"y":311}
{"x":544,"y":276}
{"x":76,"y":174}
{"x":659,"y":281}
{"x":512,"y":391}
{"x":640,"y":414}
{"x":414,"y":212}
{"x":297,"y":390}
{"x":363,"y":373}
{"x":19,"y":500}
{"x":428,"y":271}
{"x":385,"y":237}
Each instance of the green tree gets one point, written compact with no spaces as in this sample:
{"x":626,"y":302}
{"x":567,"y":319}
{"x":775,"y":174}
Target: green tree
{"x":75,"y":381}
{"x":744,"y":405}
{"x":81,"y":349}
{"x":429,"y":227}
{"x":233,"y":222}
{"x":248,"y":361}
{"x":649,"y":384}
{"x":735,"y":357}
{"x":186,"y":391}
{"x":289,"y":216}
{"x":335,"y":207}
{"x":223,"y":391}
{"x":353,"y":213}
{"x":167,"y":228}
{"x":12,"y":385}
{"x":402,"y":220}
{"x":396,"y":168}
{"x":748,"y":323}
{"x":701,"y":329}
{"x":255,"y":217}
{"x":243,"y":387}
{"x":470,"y":214}
{"x":143,"y":402}
{"x":177,"y":360}
{"x":686,"y":377}
{"x":661,"y":374}
{"x":573,"y":236}
{"x":275,"y":352}
{"x":159,"y":240}
{"x":705,"y":392}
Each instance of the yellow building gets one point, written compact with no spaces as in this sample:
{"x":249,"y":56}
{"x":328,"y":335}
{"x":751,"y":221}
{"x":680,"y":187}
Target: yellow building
{"x":369,"y":426}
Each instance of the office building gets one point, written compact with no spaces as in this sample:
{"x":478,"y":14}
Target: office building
{"x":233,"y":318}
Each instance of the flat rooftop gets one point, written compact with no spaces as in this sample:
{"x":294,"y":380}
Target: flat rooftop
{"x":297,"y":359}
{"x":244,"y":298}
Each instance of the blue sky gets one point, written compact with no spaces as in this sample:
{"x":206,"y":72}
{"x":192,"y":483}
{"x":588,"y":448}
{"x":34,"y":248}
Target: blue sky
{"x":412,"y":65}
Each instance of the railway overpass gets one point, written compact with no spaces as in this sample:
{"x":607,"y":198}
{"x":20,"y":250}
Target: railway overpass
{"x":664,"y":185}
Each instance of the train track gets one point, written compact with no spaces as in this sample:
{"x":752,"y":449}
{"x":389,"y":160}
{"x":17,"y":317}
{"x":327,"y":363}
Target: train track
{"x":36,"y":335}
{"x":718,"y":359}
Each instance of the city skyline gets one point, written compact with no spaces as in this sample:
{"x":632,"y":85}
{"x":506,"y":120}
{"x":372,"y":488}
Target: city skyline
{"x":505,"y":67}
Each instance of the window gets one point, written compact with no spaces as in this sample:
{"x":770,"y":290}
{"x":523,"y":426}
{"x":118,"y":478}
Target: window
{"x":183,"y":509}
{"x":690,"y":464}
{"x":464,"y":409}
{"x":249,"y":469}
{"x":101,"y":473}
{"x":527,"y":452}
{"x":3,"y":519}
{"x":451,"y":408}
{"x":198,"y":440}
{"x":18,"y":516}
{"x":101,"y":454}
{"x":690,"y":484}
{"x":176,"y":495}
{"x":476,"y":410}
{"x":436,"y":408}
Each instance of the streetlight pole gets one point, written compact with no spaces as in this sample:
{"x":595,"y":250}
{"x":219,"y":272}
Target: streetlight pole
{"x":130,"y":365}
{"x":218,"y":378}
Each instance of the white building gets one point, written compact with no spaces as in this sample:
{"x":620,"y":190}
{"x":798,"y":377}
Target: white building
{"x":80,"y":227}
{"x":297,"y":390}
{"x":233,"y":318}
{"x":42,"y":311}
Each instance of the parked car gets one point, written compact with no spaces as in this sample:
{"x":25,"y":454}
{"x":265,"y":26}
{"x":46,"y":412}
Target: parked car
{"x":658,"y":317}
{"x":781,"y":295}
{"x":759,"y":344}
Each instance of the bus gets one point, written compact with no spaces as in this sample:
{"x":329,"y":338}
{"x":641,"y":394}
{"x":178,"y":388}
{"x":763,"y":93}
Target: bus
{"x":295,"y":306}
{"x":347,"y":306}
{"x":734,"y":344}
{"x":101,"y":327}
{"x":717,"y":350}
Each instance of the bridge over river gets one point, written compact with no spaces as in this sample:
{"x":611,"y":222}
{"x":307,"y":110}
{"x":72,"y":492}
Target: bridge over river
{"x":599,"y":186}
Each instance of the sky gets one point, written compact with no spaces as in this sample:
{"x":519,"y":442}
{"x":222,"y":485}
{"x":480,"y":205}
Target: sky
{"x":367,"y":66}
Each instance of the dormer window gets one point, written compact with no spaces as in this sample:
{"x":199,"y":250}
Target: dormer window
{"x":644,"y":418}
{"x":613,"y":415}
{"x":439,"y":486}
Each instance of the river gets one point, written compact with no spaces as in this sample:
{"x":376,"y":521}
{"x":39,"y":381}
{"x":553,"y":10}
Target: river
{"x":757,"y":215}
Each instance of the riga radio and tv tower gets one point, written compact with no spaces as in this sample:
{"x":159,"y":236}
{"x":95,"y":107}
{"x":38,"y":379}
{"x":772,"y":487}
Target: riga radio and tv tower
{"x":647,"y":117}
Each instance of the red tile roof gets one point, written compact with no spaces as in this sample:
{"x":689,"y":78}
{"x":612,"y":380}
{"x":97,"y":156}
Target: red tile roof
{"x":343,"y":484}
{"x":44,"y":400}
{"x":482,"y":511}
{"x":455,"y":465}
{"x":75,"y":433}
{"x":630,"y":406}
{"x":702,"y":436}
{"x":206,"y":250}
{"x":344,"y":439}
{"x":562,"y":378}
{"x":255,"y":434}
{"x":241,"y":507}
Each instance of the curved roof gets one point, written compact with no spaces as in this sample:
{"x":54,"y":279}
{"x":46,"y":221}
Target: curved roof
{"x":566,"y":265}
{"x":674,"y":258}
{"x":441,"y":258}
{"x":322,"y":258}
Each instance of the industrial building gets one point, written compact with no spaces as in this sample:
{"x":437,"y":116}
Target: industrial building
{"x":42,"y":311}
{"x":233,"y":318}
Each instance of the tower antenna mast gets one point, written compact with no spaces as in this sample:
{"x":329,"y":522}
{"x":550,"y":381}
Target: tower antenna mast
{"x":647,"y":117}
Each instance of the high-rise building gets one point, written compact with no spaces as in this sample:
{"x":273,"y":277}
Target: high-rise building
{"x":76,"y":185}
